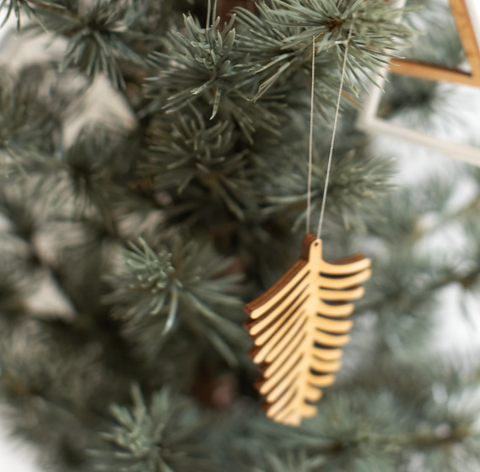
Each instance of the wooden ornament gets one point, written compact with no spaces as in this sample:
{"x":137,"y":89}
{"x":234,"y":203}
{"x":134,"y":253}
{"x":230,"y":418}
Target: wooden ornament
{"x":464,"y":21}
{"x":298,"y":327}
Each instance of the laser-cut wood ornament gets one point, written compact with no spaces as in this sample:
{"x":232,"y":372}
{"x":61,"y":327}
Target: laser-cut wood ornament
{"x":298,"y":327}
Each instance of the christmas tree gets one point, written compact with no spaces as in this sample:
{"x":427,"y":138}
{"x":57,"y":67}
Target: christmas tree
{"x":131,"y":240}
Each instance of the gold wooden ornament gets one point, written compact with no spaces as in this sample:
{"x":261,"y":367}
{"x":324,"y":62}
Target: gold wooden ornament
{"x":298,"y":327}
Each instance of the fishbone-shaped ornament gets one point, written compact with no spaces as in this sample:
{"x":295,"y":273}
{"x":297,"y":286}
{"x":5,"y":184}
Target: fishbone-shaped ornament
{"x":298,"y":327}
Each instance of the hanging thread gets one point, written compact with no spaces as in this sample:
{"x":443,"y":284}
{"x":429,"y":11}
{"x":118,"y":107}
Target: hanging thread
{"x":310,"y":142}
{"x":332,"y":144}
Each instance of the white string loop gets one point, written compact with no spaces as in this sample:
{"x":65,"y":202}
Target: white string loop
{"x":310,"y":142}
{"x":332,"y":144}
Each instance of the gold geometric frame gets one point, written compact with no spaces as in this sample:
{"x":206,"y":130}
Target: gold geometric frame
{"x":468,"y":27}
{"x":463,"y":19}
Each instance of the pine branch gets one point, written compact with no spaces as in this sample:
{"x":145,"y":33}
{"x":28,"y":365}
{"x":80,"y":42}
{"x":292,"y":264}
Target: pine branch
{"x":189,"y":156}
{"x":284,"y":30}
{"x":28,"y":122}
{"x":402,"y":230}
{"x":28,"y":7}
{"x":198,"y":65}
{"x":166,"y":436}
{"x":290,"y":463}
{"x":189,"y":286}
{"x":357,"y":180}
{"x":100,"y":37}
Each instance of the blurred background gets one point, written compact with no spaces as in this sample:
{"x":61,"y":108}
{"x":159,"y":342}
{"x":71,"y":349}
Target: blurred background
{"x":456,"y":118}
